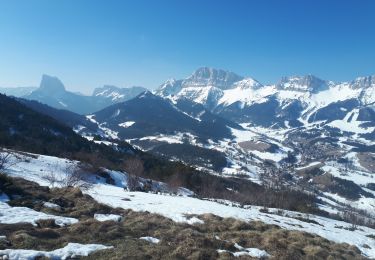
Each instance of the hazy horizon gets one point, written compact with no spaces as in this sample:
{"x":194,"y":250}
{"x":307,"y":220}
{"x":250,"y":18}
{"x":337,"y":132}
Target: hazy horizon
{"x":89,"y":91}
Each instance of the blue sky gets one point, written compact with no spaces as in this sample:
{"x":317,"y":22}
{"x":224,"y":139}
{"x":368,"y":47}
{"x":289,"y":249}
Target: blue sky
{"x":89,"y":43}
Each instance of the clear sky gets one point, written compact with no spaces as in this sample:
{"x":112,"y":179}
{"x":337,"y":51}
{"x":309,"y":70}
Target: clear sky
{"x":88,"y":43}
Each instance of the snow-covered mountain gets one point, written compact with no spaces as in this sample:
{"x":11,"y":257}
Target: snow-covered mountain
{"x":157,"y":125}
{"x":327,"y":127}
{"x":152,"y":114}
{"x":53,"y":93}
{"x":205,"y":86}
{"x":116,"y":95}
{"x":292,"y":102}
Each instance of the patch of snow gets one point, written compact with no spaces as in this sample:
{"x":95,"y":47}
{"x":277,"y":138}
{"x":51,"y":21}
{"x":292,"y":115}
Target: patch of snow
{"x":51,"y":205}
{"x":14,"y":215}
{"x":194,"y":220}
{"x":308,"y":166}
{"x":276,"y":157}
{"x":107,"y":143}
{"x":91,"y":118}
{"x":105,"y":130}
{"x":151,"y":239}
{"x":184,"y":192}
{"x":108,"y":132}
{"x":78,"y":128}
{"x":352,"y":127}
{"x":63,"y":104}
{"x":172,"y":139}
{"x":107,"y":217}
{"x":71,"y":250}
{"x":127,"y":124}
{"x":243,"y":135}
{"x":253,"y":252}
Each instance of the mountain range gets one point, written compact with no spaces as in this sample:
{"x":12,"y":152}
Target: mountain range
{"x":226,"y":124}
{"x":52,"y":92}
{"x":296,"y":101}
{"x":300,"y":137}
{"x":292,"y":102}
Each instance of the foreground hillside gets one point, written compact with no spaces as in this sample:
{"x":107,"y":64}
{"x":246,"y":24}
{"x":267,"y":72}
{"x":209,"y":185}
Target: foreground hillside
{"x":154,"y":224}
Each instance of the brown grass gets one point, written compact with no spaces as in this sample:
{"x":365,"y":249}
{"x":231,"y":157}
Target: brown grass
{"x":178,"y":240}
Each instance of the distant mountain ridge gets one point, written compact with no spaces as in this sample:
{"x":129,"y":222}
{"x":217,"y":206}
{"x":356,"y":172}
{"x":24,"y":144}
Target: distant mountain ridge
{"x":17,"y":91}
{"x":149,"y":114}
{"x":110,"y":95}
{"x":292,"y":102}
{"x":53,"y":93}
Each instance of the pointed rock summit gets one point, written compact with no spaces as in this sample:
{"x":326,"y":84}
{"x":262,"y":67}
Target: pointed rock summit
{"x":51,"y":85}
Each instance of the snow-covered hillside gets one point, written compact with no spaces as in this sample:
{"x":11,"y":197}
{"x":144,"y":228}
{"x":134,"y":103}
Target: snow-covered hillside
{"x":181,"y":208}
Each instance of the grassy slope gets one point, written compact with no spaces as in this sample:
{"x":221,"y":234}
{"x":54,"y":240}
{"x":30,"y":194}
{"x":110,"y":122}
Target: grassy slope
{"x":178,"y":241}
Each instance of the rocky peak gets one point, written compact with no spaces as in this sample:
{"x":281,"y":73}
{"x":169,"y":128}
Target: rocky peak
{"x":51,"y":85}
{"x":212,"y":77}
{"x":363,"y":82}
{"x":309,"y":83}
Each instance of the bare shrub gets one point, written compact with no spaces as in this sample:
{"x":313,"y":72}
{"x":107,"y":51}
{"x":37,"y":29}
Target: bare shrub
{"x":350,"y":216}
{"x":6,"y":159}
{"x":134,"y":168}
{"x":175,"y":182}
{"x":73,"y":176}
{"x":51,"y":178}
{"x":76,"y":176}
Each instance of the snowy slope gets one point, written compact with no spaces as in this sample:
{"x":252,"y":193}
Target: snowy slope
{"x":178,"y":208}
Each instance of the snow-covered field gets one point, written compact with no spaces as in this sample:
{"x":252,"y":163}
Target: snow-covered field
{"x":180,"y":208}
